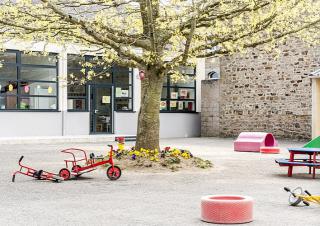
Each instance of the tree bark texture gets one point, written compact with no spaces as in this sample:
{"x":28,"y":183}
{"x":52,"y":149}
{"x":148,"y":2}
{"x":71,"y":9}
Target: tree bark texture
{"x":149,"y":114}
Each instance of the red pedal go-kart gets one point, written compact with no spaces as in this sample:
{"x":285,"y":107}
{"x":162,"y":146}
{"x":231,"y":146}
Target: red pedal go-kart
{"x":38,"y":174}
{"x":84,"y":164}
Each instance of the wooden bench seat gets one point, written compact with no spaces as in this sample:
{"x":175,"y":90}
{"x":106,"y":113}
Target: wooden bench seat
{"x":300,"y":162}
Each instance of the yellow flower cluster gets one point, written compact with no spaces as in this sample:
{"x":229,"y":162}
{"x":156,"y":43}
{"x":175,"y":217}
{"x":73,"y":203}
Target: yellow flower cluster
{"x":186,"y":155}
{"x":153,"y":155}
{"x":176,"y":152}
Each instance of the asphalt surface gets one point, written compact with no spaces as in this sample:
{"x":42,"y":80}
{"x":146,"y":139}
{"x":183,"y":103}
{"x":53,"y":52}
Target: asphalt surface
{"x":170,"y":198}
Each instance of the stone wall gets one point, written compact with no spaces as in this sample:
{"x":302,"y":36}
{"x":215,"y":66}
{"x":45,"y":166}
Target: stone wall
{"x":210,"y":108}
{"x":259,"y":92}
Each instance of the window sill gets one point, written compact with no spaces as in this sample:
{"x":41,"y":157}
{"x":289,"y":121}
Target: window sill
{"x":125,"y":111}
{"x":29,"y":110}
{"x":78,"y":111}
{"x":188,"y":112}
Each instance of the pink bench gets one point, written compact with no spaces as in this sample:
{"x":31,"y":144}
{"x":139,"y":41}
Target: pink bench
{"x":252,"y":141}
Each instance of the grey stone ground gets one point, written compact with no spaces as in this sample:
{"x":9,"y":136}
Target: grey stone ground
{"x":146,"y":198}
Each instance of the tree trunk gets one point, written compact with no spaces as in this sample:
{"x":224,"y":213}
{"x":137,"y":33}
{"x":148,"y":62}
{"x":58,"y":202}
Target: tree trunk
{"x":149,"y":117}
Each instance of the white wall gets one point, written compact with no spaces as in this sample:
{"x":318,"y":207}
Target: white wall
{"x":179,"y":125}
{"x":125,"y":123}
{"x":171,"y":124}
{"x":76,"y":123}
{"x":200,"y":75}
{"x":21,"y":124}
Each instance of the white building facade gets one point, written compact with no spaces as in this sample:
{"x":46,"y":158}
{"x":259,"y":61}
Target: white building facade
{"x":37,"y":100}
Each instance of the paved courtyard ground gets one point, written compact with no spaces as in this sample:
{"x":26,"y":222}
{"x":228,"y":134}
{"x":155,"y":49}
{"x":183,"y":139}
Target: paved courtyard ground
{"x":151,"y":198}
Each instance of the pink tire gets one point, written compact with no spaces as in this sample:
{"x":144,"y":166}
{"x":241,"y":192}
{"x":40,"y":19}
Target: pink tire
{"x":270,"y":150}
{"x":227,"y":209}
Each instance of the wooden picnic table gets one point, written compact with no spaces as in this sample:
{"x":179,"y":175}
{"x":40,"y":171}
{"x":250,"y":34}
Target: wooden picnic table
{"x":311,"y":162}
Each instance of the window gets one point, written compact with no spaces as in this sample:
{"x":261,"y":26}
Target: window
{"x":123,"y":88}
{"x":179,"y":96}
{"x":77,"y":93}
{"x":28,"y":82}
{"x":120,"y":77}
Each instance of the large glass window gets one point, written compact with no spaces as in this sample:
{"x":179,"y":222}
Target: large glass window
{"x":180,"y":95}
{"x":28,"y":82}
{"x":120,"y":77}
{"x":77,"y":91}
{"x":123,"y":88}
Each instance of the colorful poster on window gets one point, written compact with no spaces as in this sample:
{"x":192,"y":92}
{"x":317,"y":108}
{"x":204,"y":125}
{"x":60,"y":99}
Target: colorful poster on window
{"x":106,"y":99}
{"x":10,"y":87}
{"x":174,"y":95}
{"x":183,"y":93}
{"x":118,"y":92}
{"x":163,"y":105}
{"x":180,"y":105}
{"x":124,"y":93}
{"x":173,"y":104}
{"x":26,"y":89}
{"x":50,"y":90}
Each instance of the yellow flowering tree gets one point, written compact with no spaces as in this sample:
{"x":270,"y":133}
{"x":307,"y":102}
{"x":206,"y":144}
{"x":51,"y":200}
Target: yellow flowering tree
{"x":158,"y":36}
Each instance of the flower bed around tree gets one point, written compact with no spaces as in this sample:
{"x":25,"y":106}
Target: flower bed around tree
{"x":169,"y":158}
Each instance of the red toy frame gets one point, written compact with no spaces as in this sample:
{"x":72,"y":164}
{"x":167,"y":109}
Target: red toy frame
{"x":39,"y":174}
{"x":113,"y":172}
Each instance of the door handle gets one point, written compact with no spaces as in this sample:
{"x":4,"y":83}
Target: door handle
{"x":96,"y":111}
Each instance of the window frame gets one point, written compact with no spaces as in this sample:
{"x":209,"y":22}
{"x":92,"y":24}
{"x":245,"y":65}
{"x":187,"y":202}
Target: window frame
{"x":113,"y":83}
{"x":86,"y":97}
{"x":169,"y":86}
{"x":18,"y":64}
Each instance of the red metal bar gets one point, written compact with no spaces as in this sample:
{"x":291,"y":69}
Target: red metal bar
{"x":72,"y":150}
{"x":314,"y":167}
{"x":290,"y":167}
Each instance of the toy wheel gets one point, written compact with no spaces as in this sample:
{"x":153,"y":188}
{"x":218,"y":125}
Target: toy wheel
{"x":76,"y":168}
{"x":294,"y":201}
{"x":65,"y":174}
{"x":113,"y":174}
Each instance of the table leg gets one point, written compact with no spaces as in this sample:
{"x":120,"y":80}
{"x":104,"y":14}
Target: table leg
{"x":314,"y":167}
{"x":290,"y":168}
{"x":310,"y":160}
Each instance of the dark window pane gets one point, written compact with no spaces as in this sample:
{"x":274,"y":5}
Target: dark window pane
{"x":8,"y":87}
{"x":77,"y":90}
{"x":75,"y":61}
{"x":8,"y":72}
{"x":164,"y":93}
{"x":165,"y":81}
{"x":100,"y":75}
{"x":124,"y":91}
{"x":75,"y":75}
{"x":39,"y":59}
{"x":7,"y":57}
{"x":36,"y":73}
{"x":121,"y":75}
{"x":43,"y":103}
{"x":77,"y":104}
{"x":38,"y":88}
{"x":123,"y":104}
{"x":8,"y":102}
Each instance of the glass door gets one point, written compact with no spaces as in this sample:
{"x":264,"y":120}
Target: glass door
{"x":101,"y":109}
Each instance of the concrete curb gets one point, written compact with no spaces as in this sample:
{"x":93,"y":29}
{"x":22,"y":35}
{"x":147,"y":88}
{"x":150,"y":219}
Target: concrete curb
{"x":62,"y":139}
